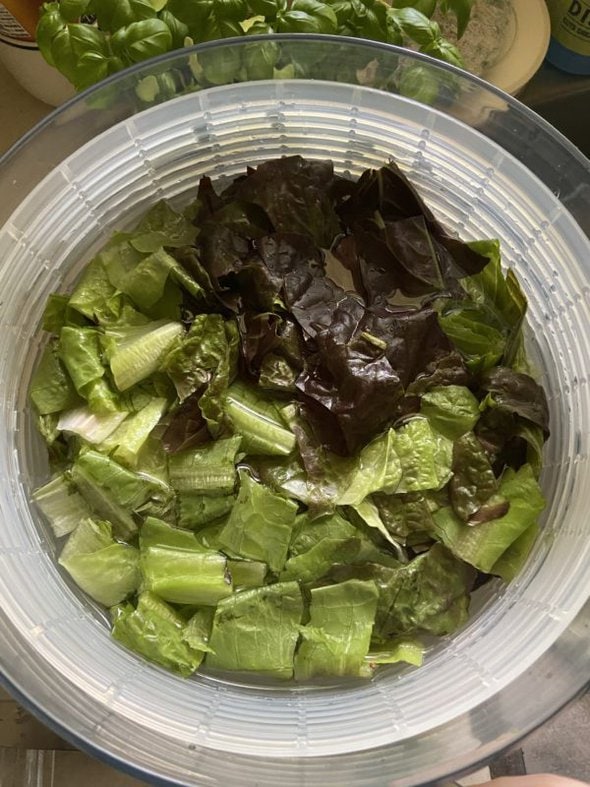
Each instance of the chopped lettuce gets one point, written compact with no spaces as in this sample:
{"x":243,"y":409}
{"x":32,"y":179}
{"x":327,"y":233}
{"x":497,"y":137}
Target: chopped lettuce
{"x":198,"y":510}
{"x":51,"y":389}
{"x":260,"y":524}
{"x":266,"y":470}
{"x":258,"y":421}
{"x":451,"y":409}
{"x":208,"y":470}
{"x":154,"y":630}
{"x":185,"y":576}
{"x":257,"y":631}
{"x":482,"y":545}
{"x":108,"y":571}
{"x":137,"y":352}
{"x":61,"y":504}
{"x":425,"y":456}
{"x":337,"y":638}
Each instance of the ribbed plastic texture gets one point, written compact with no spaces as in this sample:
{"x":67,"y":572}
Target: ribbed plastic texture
{"x":206,"y":731}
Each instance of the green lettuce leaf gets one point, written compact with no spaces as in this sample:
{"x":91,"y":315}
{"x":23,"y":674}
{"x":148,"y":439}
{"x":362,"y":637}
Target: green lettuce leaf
{"x":400,"y":649}
{"x":260,"y":524}
{"x":483,"y":545}
{"x":162,"y":226}
{"x":195,"y":511}
{"x":155,"y":631}
{"x":185,"y":576}
{"x":197,"y":631}
{"x":118,"y":494}
{"x":61,"y":504}
{"x":208,"y":470}
{"x":137,"y":352}
{"x":94,"y":295}
{"x":425,"y":456}
{"x":407,"y":517}
{"x":156,"y":532}
{"x":430,"y":594}
{"x":106,"y":570}
{"x":51,"y":389}
{"x":336,"y":640}
{"x":127,"y":440}
{"x":510,"y":562}
{"x":257,"y":631}
{"x":451,"y":409}
{"x":247,"y":573}
{"x":257,"y":419}
{"x":473,"y":482}
{"x":91,"y":427}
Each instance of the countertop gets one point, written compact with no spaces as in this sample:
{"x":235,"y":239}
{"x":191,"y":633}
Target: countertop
{"x":33,"y":756}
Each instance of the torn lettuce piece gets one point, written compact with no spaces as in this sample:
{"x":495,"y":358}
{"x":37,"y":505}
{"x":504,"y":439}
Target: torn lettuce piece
{"x":403,"y":649}
{"x":260,"y":524}
{"x":377,"y":468}
{"x":336,"y":640}
{"x":194,"y":358}
{"x":150,"y":280}
{"x":510,"y":562}
{"x":257,"y":631}
{"x":58,"y":313}
{"x":61,"y":504}
{"x":425,"y":456}
{"x":502,"y":295}
{"x":257,"y":419}
{"x":94,"y":295}
{"x":185,"y":576}
{"x":163,"y":226}
{"x":127,"y":439}
{"x":483,"y":545}
{"x":156,"y":532}
{"x":431,"y":593}
{"x":208,"y":470}
{"x":138,"y":351}
{"x":313,"y":564}
{"x":451,"y":409}
{"x":247,"y":573}
{"x":91,"y":427}
{"x":369,"y":513}
{"x":406,"y":517}
{"x":155,"y":631}
{"x":51,"y":389}
{"x":197,"y":631}
{"x":80,"y":352}
{"x":473,"y":331}
{"x":195,"y":511}
{"x":108,"y":571}
{"x":116,"y":493}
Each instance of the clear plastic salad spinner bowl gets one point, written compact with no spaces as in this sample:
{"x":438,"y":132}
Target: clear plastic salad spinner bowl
{"x":489,"y":168}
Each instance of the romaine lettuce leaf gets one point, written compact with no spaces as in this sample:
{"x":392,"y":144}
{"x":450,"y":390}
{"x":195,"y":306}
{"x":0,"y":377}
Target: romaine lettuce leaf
{"x":154,"y":630}
{"x":51,"y":389}
{"x":61,"y":504}
{"x":472,"y":330}
{"x":127,"y":440}
{"x":94,"y":295}
{"x":137,"y":352}
{"x":515,"y":392}
{"x":510,"y":562}
{"x":247,"y":573}
{"x":260,"y":524}
{"x":89,"y":426}
{"x":197,"y":510}
{"x":406,"y":517}
{"x":106,"y":570}
{"x":162,"y":226}
{"x":208,"y":470}
{"x":257,"y":419}
{"x":483,"y":544}
{"x":336,"y":640}
{"x":116,"y":493}
{"x":257,"y":631}
{"x":197,"y":631}
{"x":185,"y":576}
{"x":156,"y":532}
